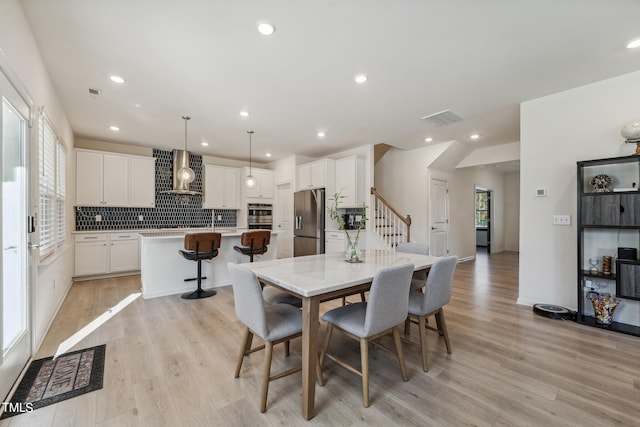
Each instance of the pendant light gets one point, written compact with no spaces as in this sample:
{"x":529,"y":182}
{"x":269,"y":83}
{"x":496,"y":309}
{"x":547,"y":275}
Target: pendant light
{"x":185,"y":173}
{"x":250,"y":180}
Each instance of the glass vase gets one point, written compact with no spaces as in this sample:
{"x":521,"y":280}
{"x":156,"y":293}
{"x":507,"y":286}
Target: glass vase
{"x":603,"y":307}
{"x":352,"y":253}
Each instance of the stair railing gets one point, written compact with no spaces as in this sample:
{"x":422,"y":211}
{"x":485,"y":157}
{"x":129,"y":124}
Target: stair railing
{"x":390,"y":225}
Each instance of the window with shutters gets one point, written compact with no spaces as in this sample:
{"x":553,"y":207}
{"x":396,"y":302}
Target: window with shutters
{"x":52,"y":188}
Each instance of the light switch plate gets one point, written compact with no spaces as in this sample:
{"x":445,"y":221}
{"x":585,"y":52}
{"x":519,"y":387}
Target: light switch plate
{"x":562,"y":220}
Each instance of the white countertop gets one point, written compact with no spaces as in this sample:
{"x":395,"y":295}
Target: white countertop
{"x":178,"y":234}
{"x":226,"y":231}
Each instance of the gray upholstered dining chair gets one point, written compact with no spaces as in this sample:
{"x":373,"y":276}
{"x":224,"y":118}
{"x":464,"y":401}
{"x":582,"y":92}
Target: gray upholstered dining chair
{"x":436,"y":295}
{"x":275,"y":324}
{"x":367,"y":321}
{"x":419,"y":277}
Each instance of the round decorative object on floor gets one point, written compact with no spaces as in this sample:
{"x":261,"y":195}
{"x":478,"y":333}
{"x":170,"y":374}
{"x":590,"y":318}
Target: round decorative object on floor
{"x":553,"y":311}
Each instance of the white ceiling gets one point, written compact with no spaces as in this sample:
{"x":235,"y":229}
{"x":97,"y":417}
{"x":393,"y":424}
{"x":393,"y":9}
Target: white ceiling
{"x":204,"y":58}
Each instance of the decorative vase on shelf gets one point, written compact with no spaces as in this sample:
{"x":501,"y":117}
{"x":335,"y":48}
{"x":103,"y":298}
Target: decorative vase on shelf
{"x":603,"y":307}
{"x":352,"y":252}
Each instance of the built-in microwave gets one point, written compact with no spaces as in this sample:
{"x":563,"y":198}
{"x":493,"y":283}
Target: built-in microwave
{"x":259,"y":216}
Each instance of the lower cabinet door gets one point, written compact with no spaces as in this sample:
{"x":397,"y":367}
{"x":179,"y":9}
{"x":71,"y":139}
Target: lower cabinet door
{"x":124,"y":256}
{"x":91,"y":258}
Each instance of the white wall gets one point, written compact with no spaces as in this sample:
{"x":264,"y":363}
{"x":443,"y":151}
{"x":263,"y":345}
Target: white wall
{"x":18,"y":45}
{"x":556,"y":132}
{"x":402,"y":177}
{"x":512,"y":211}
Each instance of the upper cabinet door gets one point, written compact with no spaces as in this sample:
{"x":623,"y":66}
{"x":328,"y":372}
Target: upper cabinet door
{"x":142,"y":188}
{"x":221,"y":187}
{"x":264,"y":186}
{"x":318,"y":174}
{"x":89,"y":180}
{"x":116,"y":180}
{"x":231,"y":190}
{"x":213,"y":187}
{"x":304,"y":177}
{"x":350,"y":181}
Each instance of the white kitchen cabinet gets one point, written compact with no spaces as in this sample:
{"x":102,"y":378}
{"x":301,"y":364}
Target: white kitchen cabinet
{"x":318,"y":174}
{"x":91,"y":254}
{"x":115,"y":186}
{"x":350,"y":181}
{"x":124,"y":252}
{"x":108,"y":179}
{"x":334,"y":241}
{"x":105,"y":253}
{"x":142,"y":183}
{"x":264,"y":187}
{"x":101,"y":179}
{"x":221,"y":187}
{"x":90,"y":176}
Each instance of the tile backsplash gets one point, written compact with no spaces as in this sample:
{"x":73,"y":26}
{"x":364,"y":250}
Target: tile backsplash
{"x":171,"y":210}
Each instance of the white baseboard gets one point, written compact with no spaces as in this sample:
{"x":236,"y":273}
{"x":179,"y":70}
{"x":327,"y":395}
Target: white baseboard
{"x":36,"y":345}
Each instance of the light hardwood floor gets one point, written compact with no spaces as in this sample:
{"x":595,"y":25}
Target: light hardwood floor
{"x":170,"y":362}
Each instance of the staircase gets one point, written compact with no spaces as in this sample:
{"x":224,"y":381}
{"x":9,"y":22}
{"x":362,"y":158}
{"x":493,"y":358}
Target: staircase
{"x":389,"y":225}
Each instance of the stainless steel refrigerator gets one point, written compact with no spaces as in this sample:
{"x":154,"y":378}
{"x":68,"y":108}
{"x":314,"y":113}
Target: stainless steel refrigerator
{"x":308,"y":230}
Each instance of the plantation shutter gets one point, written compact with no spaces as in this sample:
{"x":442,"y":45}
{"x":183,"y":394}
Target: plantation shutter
{"x":61,"y":193}
{"x":47,"y":159}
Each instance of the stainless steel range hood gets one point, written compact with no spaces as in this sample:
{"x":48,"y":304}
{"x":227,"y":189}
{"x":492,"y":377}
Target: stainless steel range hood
{"x":180,"y":160}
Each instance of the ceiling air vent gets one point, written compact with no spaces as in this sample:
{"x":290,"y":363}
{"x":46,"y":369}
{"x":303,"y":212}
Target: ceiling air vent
{"x":442,"y":118}
{"x":94,"y":93}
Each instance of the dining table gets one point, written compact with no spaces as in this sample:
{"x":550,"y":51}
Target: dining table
{"x":322,"y":277}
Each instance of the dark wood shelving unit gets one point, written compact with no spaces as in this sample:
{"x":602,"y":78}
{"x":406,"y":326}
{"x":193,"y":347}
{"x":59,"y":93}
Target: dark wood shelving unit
{"x":606,"y":212}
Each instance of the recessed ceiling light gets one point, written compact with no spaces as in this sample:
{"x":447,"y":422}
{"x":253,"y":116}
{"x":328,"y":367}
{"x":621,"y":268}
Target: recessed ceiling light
{"x":268,"y":154}
{"x":360,"y":78}
{"x":321,"y":134}
{"x":474,"y":136}
{"x":244,"y":113}
{"x":633,"y":44}
{"x":266,"y":29}
{"x":117,"y":79}
{"x":136,"y":105}
{"x":204,"y":143}
{"x":114,"y":128}
{"x":429,"y":139}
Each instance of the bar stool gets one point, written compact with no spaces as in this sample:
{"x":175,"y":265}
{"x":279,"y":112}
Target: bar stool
{"x":255,"y":242}
{"x":200,"y":246}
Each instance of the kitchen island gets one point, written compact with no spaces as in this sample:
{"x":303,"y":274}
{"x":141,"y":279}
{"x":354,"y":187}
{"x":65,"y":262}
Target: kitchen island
{"x":163,"y":269}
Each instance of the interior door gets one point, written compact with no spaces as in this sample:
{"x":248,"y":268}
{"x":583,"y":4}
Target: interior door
{"x":439,"y":202}
{"x":284,"y":222}
{"x":15,"y":332}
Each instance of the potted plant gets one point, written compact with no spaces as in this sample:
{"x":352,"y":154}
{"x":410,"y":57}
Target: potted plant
{"x":352,"y":251}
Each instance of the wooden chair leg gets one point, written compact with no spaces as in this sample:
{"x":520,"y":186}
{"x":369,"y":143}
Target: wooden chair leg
{"x":362,"y":297}
{"x":319,"y":373}
{"x":267,"y":373}
{"x":403,"y":368}
{"x":244,"y":348}
{"x":325,"y":345}
{"x":364,"y":357}
{"x":423,"y":342}
{"x":407,"y":326}
{"x":442,"y":328}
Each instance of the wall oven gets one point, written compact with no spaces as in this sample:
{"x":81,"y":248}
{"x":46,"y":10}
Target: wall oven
{"x":259,"y":216}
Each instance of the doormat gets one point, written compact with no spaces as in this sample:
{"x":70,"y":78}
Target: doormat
{"x":50,"y":381}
